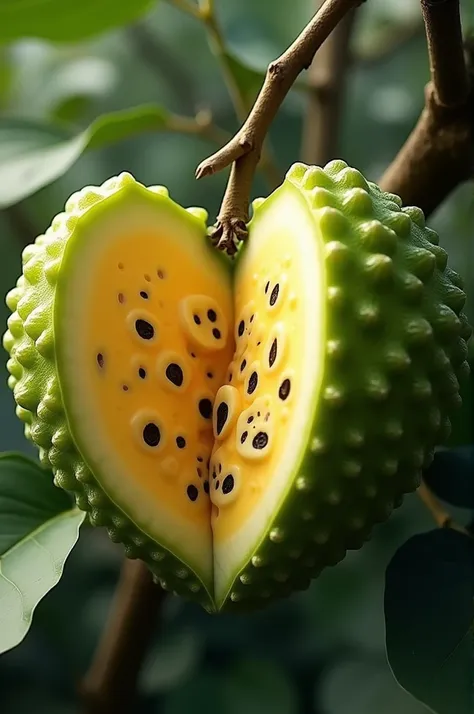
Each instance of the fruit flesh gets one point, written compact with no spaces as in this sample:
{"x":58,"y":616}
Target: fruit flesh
{"x":272,"y":382}
{"x":133,"y":290}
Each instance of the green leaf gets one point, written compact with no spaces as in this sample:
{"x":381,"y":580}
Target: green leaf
{"x":249,"y":79}
{"x":33,"y":154}
{"x":38,"y":529}
{"x":429,"y":615}
{"x":258,"y":686}
{"x":65,"y":21}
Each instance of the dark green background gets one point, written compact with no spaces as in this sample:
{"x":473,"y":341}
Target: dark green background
{"x":318,"y":652}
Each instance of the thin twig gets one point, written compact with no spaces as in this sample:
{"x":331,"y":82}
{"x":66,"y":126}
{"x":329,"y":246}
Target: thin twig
{"x":440,"y":516}
{"x":439,"y":153}
{"x":110,"y":685}
{"x":327,"y":77}
{"x":246,"y":146}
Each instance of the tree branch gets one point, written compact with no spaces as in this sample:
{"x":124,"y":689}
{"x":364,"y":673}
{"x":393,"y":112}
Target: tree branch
{"x":440,"y":516}
{"x":439,"y":153}
{"x":246,"y":146}
{"x":327,"y":79}
{"x":110,"y":685}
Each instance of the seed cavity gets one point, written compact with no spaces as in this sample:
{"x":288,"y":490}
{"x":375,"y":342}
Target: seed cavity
{"x":273,"y":353}
{"x":243,"y":365}
{"x":284,"y":390}
{"x":144,"y":294}
{"x":197,"y":319}
{"x":142,"y":373}
{"x":180,"y":442}
{"x":100,"y":359}
{"x":206,"y":486}
{"x":243,"y":437}
{"x":175,"y":374}
{"x":160,"y":274}
{"x":121,"y":298}
{"x":147,"y":278}
{"x":241,"y":328}
{"x":216,"y":333}
{"x":209,"y":375}
{"x":222,"y":414}
{"x":205,"y":408}
{"x":121,"y":266}
{"x":144,"y":329}
{"x":151,"y":434}
{"x":125,"y":387}
{"x":266,"y":287}
{"x":211,"y":315}
{"x":228,"y":484}
{"x":260,"y":440}
{"x":274,"y":294}
{"x":253,"y":382}
{"x":250,"y":419}
{"x":192,"y":492}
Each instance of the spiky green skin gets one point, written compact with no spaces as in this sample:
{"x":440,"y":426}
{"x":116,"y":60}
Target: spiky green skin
{"x":396,"y":347}
{"x":30,"y":341}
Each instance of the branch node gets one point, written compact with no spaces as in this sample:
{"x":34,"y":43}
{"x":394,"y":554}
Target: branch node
{"x":227,"y":234}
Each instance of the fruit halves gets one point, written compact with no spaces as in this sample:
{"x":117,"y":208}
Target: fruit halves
{"x":238,"y":431}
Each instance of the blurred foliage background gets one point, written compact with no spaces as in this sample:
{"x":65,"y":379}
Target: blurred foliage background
{"x":320,"y":652}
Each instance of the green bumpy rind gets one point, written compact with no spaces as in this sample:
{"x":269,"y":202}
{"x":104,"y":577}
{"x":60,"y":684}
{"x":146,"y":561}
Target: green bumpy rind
{"x":396,"y":349}
{"x":30,"y":342}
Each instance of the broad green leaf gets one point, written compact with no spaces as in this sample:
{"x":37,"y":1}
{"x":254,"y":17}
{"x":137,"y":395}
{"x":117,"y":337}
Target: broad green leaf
{"x":33,"y":154}
{"x":38,"y":529}
{"x":429,"y":615}
{"x":65,"y":21}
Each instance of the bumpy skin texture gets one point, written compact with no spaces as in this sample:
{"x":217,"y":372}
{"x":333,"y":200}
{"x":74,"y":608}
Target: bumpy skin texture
{"x":30,"y":340}
{"x":395,"y":348}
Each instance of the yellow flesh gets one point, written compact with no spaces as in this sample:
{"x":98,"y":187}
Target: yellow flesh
{"x":177,"y":282}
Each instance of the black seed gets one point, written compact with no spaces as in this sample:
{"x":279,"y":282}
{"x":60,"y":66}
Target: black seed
{"x":144,"y":329}
{"x":175,"y":374}
{"x":197,"y":319}
{"x":209,"y":375}
{"x":222,"y":414}
{"x":143,"y":294}
{"x":258,"y":343}
{"x":124,"y":387}
{"x":258,"y":414}
{"x":199,"y":472}
{"x":214,"y":475}
{"x":192,"y":492}
{"x":220,"y":468}
{"x":206,"y":486}
{"x":250,"y":420}
{"x":151,"y":434}
{"x":253,"y":381}
{"x":241,"y":328}
{"x":228,"y":484}
{"x":211,"y":314}
{"x":251,"y":319}
{"x":180,"y":442}
{"x":142,"y":373}
{"x":273,"y":352}
{"x":192,"y":355}
{"x":260,"y":440}
{"x":243,"y":365}
{"x":266,"y":287}
{"x":243,"y":437}
{"x":100,"y":360}
{"x":284,"y":390}
{"x":274,"y":295}
{"x":216,"y":333}
{"x":217,"y":484}
{"x":230,"y":376}
{"x":200,"y":459}
{"x":205,"y":408}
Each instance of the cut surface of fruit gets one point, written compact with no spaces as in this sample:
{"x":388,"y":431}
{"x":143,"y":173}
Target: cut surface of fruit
{"x":262,"y":415}
{"x":144,"y":320}
{"x":238,"y":427}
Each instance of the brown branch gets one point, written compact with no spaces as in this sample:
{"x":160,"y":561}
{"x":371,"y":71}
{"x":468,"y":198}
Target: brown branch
{"x":439,"y":153}
{"x":440,"y":516}
{"x":327,"y":79}
{"x":246,"y":146}
{"x":110,"y":685}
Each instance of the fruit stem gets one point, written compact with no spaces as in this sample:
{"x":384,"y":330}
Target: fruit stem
{"x":245,"y":148}
{"x":441,"y":517}
{"x":109,"y":686}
